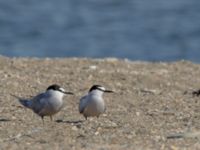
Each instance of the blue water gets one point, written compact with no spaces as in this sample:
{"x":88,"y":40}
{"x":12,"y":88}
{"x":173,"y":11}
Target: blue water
{"x":155,"y":30}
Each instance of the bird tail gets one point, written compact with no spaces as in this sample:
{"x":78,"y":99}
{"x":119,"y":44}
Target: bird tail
{"x":24,"y":102}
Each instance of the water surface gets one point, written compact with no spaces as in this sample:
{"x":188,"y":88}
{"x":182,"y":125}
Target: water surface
{"x":135,"y":29}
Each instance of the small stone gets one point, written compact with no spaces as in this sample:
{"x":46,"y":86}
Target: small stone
{"x":137,"y":113}
{"x":74,"y":128}
{"x":113,"y":124}
{"x":18,"y":136}
{"x":104,"y":115}
{"x":93,"y":67}
{"x":129,"y":136}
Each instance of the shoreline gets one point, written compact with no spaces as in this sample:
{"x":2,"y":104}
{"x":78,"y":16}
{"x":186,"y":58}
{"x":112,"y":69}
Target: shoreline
{"x":97,"y":59}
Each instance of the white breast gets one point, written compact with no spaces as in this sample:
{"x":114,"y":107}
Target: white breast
{"x":95,"y":105}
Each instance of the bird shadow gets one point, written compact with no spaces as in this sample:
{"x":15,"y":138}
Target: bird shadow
{"x":4,"y":120}
{"x":70,"y":122}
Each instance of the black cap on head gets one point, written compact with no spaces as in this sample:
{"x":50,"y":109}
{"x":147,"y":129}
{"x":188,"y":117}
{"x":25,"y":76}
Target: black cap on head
{"x":96,"y":87}
{"x":54,"y":87}
{"x":100,"y":88}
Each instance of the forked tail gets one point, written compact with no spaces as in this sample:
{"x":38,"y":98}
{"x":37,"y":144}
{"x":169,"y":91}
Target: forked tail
{"x":24,"y":102}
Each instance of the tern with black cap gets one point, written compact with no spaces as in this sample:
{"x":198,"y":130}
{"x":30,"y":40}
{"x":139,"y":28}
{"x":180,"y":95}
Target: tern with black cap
{"x":93,"y":103}
{"x":47,"y":103}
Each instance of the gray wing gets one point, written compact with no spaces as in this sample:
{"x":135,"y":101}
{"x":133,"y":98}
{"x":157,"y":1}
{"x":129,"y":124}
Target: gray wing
{"x":39,"y":103}
{"x":82,"y":104}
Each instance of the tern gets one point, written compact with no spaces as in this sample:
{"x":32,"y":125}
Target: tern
{"x":93,"y":103}
{"x":47,"y":103}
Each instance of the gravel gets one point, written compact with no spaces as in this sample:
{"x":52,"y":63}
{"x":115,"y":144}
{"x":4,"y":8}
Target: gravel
{"x":152,"y":107}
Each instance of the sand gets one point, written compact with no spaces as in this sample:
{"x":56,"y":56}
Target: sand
{"x":152,"y":101}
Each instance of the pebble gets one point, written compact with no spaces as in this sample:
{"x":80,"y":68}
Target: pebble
{"x":96,"y":133}
{"x":74,"y":128}
{"x":137,"y":113}
{"x":93,"y":67}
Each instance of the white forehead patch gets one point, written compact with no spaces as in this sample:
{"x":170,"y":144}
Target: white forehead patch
{"x":102,"y":88}
{"x":62,"y":90}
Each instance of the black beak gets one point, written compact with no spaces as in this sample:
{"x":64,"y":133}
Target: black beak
{"x":108,"y":91}
{"x":69,"y":93}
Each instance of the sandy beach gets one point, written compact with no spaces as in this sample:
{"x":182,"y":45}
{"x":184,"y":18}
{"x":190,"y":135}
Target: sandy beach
{"x":152,"y":101}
